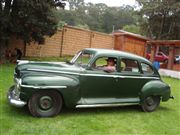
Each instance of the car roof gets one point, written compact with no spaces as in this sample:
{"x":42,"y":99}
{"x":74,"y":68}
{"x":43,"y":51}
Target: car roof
{"x":117,"y":53}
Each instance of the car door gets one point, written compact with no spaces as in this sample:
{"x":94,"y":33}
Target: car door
{"x":98,"y":86}
{"x":133,"y":76}
{"x":129,"y":80}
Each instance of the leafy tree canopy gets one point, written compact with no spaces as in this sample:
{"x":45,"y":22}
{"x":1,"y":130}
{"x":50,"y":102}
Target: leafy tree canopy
{"x":132,"y":28}
{"x":29,"y":20}
{"x":160,"y":19}
{"x":98,"y":17}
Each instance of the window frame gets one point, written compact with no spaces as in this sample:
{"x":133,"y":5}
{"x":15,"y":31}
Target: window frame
{"x":98,"y":57}
{"x":146,"y":73}
{"x":129,"y":72}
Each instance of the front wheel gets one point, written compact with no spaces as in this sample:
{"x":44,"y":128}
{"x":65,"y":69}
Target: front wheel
{"x":150,"y":103}
{"x":45,"y":104}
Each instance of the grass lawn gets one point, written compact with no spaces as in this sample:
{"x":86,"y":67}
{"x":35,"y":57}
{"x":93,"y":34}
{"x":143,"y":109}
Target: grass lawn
{"x":99,"y":121}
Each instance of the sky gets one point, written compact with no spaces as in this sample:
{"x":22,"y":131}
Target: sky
{"x":113,"y":2}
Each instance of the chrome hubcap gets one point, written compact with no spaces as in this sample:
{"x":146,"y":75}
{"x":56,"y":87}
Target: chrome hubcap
{"x":45,"y":102}
{"x":149,"y":101}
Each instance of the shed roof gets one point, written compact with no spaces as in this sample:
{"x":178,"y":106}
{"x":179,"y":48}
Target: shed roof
{"x":122,"y":32}
{"x":164,"y":42}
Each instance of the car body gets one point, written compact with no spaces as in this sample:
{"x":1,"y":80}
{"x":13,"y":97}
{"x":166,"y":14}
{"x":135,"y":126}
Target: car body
{"x":160,"y":56}
{"x":46,"y":86}
{"x":177,"y":59}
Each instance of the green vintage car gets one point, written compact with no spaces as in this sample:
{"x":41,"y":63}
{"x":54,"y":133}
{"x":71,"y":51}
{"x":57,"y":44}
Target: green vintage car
{"x":45,"y":87}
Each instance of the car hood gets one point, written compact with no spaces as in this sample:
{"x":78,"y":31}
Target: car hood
{"x":46,"y":67}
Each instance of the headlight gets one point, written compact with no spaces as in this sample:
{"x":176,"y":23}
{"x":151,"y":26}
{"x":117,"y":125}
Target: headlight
{"x":17,"y":87}
{"x":17,"y":84}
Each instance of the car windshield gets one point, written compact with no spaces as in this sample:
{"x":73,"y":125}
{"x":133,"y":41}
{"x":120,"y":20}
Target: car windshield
{"x":82,"y":58}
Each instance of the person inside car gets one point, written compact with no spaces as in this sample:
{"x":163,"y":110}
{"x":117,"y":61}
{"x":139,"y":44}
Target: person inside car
{"x":110,"y":67}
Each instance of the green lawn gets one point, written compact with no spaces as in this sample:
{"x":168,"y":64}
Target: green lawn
{"x":100,"y":121}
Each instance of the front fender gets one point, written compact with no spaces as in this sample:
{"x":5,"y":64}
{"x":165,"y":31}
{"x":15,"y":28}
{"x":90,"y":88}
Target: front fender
{"x":45,"y":80}
{"x":67,"y":86}
{"x":156,"y":88}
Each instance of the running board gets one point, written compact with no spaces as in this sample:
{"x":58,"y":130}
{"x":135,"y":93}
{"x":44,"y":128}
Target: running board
{"x":105,"y":105}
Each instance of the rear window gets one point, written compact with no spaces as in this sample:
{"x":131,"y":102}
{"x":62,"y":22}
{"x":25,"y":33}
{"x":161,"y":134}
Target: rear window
{"x":128,"y":65}
{"x":146,"y":68}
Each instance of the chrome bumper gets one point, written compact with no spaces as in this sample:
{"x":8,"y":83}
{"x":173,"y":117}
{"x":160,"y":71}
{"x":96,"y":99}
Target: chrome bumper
{"x":13,"y":98}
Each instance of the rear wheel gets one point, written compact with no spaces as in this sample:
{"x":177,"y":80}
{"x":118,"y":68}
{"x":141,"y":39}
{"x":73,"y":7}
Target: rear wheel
{"x":45,"y":104}
{"x":150,"y":103}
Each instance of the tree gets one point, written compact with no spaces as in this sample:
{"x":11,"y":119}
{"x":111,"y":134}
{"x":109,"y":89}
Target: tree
{"x":94,"y":16}
{"x":160,"y":18}
{"x":75,"y":4}
{"x":29,"y":20}
{"x":132,"y":28}
{"x":98,"y":17}
{"x":117,"y":17}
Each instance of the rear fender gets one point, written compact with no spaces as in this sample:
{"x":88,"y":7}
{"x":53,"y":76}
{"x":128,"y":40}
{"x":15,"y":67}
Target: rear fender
{"x":155,"y":88}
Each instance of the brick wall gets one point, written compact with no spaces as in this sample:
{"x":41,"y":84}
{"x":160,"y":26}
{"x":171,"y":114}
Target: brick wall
{"x":101,"y":40}
{"x":75,"y":39}
{"x":65,"y":42}
{"x":51,"y":47}
{"x":69,"y":40}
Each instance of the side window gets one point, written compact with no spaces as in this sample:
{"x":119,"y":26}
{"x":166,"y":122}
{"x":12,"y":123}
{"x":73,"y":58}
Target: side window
{"x":100,"y":62}
{"x":146,"y":68}
{"x":128,"y":65}
{"x":107,"y":64}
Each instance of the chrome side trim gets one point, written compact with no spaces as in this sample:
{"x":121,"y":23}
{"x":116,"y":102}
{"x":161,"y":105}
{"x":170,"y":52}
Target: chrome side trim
{"x":22,"y":62}
{"x":43,"y":87}
{"x":99,"y":75}
{"x":120,"y":76}
{"x":51,"y":71}
{"x":105,"y":105}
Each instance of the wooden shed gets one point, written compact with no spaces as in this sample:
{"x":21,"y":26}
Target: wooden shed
{"x":173,"y":47}
{"x":130,"y":42}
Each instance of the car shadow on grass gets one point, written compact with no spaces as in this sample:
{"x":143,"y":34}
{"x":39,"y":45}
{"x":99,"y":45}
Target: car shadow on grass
{"x":162,"y":108}
{"x":101,"y":110}
{"x":24,"y":112}
{"x":19,"y":112}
